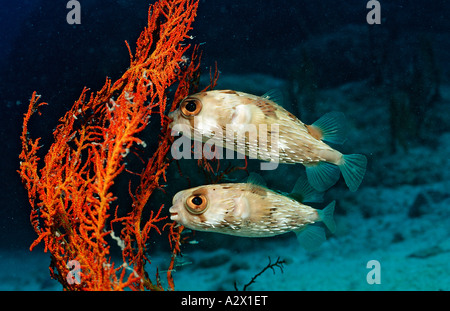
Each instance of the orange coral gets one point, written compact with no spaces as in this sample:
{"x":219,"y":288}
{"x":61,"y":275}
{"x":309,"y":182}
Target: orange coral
{"x":73,"y":207}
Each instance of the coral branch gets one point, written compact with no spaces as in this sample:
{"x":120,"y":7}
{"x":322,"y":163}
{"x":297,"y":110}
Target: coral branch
{"x":71,"y":195}
{"x":278,"y":263}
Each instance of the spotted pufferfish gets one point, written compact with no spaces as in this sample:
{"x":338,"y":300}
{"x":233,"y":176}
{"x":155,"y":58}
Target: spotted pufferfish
{"x":252,"y":210}
{"x":210,"y":114}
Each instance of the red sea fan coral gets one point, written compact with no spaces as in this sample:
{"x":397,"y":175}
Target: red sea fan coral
{"x":73,"y":207}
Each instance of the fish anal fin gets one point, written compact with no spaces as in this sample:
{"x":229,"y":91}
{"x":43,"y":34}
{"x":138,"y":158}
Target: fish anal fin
{"x":311,"y":237}
{"x":322,"y":175}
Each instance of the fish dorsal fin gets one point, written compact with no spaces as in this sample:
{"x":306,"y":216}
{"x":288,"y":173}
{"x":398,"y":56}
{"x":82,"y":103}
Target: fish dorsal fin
{"x":274,"y":95}
{"x":257,"y":180}
{"x":330,"y":127}
{"x":256,"y":185}
{"x":304,"y":192}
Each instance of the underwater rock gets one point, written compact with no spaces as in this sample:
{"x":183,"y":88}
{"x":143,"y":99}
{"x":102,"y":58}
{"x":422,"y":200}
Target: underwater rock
{"x":398,"y":237}
{"x":239,"y":266}
{"x":427,"y":252}
{"x":419,"y":206}
{"x":214,"y":260}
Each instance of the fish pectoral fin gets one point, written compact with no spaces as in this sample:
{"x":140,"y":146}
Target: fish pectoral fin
{"x":331,"y":127}
{"x":322,"y":175}
{"x":311,"y":237}
{"x":242,"y":114}
{"x":241,"y":208}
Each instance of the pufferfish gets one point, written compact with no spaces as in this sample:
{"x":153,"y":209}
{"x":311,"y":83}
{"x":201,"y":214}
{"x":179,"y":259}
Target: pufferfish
{"x":211,"y":114}
{"x":252,"y":210}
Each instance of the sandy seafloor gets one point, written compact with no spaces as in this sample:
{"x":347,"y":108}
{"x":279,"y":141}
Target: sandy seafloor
{"x":400,"y":217}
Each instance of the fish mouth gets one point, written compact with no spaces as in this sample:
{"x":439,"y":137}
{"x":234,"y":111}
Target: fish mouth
{"x":173,"y":215}
{"x":173,"y":128}
{"x":174,"y":132}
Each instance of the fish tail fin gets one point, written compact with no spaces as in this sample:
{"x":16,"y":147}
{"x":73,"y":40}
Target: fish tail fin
{"x":326,"y":215}
{"x":311,"y":237}
{"x":322,"y":175}
{"x":353,"y":168}
{"x":331,"y":127}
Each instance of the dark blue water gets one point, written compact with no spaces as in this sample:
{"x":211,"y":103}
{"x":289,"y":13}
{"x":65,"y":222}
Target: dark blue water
{"x":390,"y":79}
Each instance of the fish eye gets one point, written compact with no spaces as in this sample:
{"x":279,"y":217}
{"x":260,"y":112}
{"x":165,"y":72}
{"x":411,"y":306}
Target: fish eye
{"x":190,"y":107}
{"x":197,"y":204}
